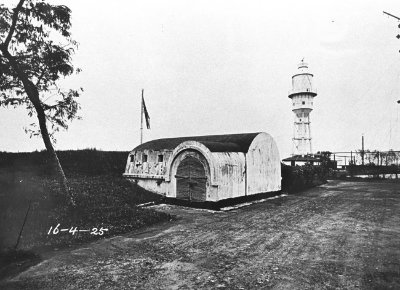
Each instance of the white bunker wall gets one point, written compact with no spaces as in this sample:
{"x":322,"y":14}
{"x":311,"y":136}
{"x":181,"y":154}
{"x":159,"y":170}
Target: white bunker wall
{"x":263,"y":165}
{"x":230,"y":172}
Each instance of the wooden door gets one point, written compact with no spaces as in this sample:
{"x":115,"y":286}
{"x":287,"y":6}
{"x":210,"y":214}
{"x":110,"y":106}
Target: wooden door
{"x":191,"y":180}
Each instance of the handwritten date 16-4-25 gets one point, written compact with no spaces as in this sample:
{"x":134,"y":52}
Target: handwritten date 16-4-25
{"x":73,"y":230}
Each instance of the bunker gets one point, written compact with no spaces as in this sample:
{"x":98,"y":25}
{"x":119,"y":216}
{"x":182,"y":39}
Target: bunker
{"x":207,"y":168}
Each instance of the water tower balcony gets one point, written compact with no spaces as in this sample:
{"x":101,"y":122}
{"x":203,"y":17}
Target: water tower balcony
{"x":302,"y":108}
{"x":303,"y":91}
{"x":302,"y":122}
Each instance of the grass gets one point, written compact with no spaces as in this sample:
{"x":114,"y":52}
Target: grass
{"x":14,"y":261}
{"x":104,"y":199}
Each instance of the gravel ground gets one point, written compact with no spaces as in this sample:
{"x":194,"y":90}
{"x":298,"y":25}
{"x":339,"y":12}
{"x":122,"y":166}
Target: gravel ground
{"x":339,"y":235}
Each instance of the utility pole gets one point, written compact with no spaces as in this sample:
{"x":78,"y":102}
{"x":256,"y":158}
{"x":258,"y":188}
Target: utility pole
{"x":141,"y":119}
{"x":362,"y":150}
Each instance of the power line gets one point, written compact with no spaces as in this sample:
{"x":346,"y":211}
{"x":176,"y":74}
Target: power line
{"x":391,"y":15}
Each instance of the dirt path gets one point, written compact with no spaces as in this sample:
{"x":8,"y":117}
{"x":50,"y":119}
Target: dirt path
{"x":340,"y":235}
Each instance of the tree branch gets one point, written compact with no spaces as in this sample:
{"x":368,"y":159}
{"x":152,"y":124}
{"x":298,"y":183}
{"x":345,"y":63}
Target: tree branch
{"x":28,"y":85}
{"x":14,"y":23}
{"x":40,"y":77}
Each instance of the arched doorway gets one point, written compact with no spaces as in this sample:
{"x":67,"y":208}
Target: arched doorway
{"x":191,"y":180}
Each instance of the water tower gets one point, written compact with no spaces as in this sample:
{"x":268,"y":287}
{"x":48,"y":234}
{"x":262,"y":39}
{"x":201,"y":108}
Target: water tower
{"x":302,"y":96}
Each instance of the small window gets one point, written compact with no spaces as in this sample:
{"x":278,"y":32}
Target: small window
{"x":303,"y":103}
{"x":144,"y":158}
{"x":132,"y":158}
{"x":160,"y":158}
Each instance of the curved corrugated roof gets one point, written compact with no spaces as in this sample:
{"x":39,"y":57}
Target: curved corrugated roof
{"x":215,"y":143}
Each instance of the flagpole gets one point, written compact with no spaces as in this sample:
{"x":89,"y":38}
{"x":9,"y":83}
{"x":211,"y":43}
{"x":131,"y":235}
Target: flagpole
{"x":141,"y":120}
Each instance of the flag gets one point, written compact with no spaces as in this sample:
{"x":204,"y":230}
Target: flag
{"x":146,"y":114}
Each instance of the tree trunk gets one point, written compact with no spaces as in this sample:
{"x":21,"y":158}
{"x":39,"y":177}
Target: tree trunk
{"x":33,"y":96}
{"x":62,"y":180}
{"x":52,"y":153}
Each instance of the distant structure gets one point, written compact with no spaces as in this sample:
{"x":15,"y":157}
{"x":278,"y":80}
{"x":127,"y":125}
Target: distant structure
{"x":302,"y":95}
{"x":207,"y":168}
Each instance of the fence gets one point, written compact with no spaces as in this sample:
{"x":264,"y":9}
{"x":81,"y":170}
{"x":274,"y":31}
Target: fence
{"x":366,"y":157}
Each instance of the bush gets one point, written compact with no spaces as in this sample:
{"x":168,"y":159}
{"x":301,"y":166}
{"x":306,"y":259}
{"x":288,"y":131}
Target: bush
{"x":297,"y":178}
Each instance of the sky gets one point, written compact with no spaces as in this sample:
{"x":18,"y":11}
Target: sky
{"x":222,"y":67}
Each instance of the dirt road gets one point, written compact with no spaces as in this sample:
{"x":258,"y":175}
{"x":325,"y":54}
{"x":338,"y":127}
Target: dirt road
{"x":340,"y":235}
